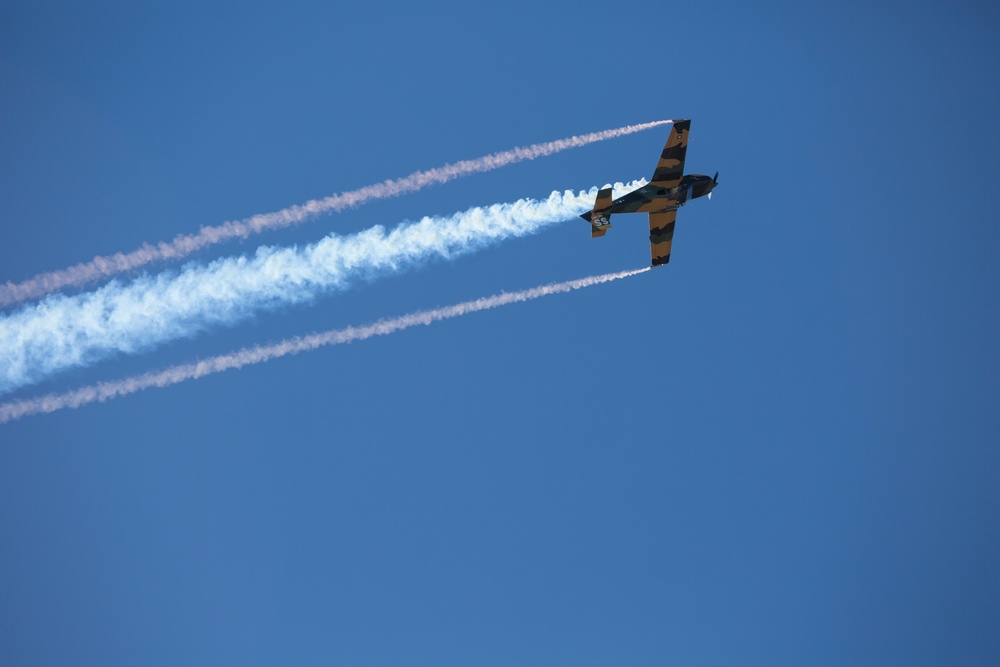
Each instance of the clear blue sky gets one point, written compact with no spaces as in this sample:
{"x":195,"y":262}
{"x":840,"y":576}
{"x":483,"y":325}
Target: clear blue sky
{"x":782,"y":448}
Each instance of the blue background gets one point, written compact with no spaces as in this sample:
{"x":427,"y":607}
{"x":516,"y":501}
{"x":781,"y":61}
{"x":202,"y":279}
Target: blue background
{"x":781,"y":448}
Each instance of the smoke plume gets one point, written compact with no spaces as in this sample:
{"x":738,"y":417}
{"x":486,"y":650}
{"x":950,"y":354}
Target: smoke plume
{"x":185,"y":244}
{"x":63,"y":332}
{"x":104,"y":391}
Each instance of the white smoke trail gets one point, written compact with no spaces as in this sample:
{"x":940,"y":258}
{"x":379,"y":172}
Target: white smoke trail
{"x":63,"y":332}
{"x":104,"y":391}
{"x":186,"y":244}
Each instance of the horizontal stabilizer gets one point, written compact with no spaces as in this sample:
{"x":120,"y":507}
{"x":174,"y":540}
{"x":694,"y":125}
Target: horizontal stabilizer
{"x":600,"y":217}
{"x":603,"y":200}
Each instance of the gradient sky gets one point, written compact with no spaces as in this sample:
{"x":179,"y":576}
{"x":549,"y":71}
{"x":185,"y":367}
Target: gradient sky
{"x":782,"y":448}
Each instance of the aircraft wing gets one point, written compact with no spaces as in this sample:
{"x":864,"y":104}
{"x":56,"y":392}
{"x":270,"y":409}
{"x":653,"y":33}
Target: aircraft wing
{"x":670,"y":168}
{"x":661,"y":235}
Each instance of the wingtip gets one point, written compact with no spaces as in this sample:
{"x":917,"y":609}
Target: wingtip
{"x":659,"y":261}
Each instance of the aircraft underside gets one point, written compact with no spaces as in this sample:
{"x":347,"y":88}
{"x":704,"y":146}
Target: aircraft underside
{"x":668,"y":190}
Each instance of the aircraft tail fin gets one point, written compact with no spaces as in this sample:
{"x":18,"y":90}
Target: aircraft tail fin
{"x":600,"y":216}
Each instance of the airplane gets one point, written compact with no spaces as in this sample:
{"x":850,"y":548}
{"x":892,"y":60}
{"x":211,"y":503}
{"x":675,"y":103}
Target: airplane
{"x":666,"y":192}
